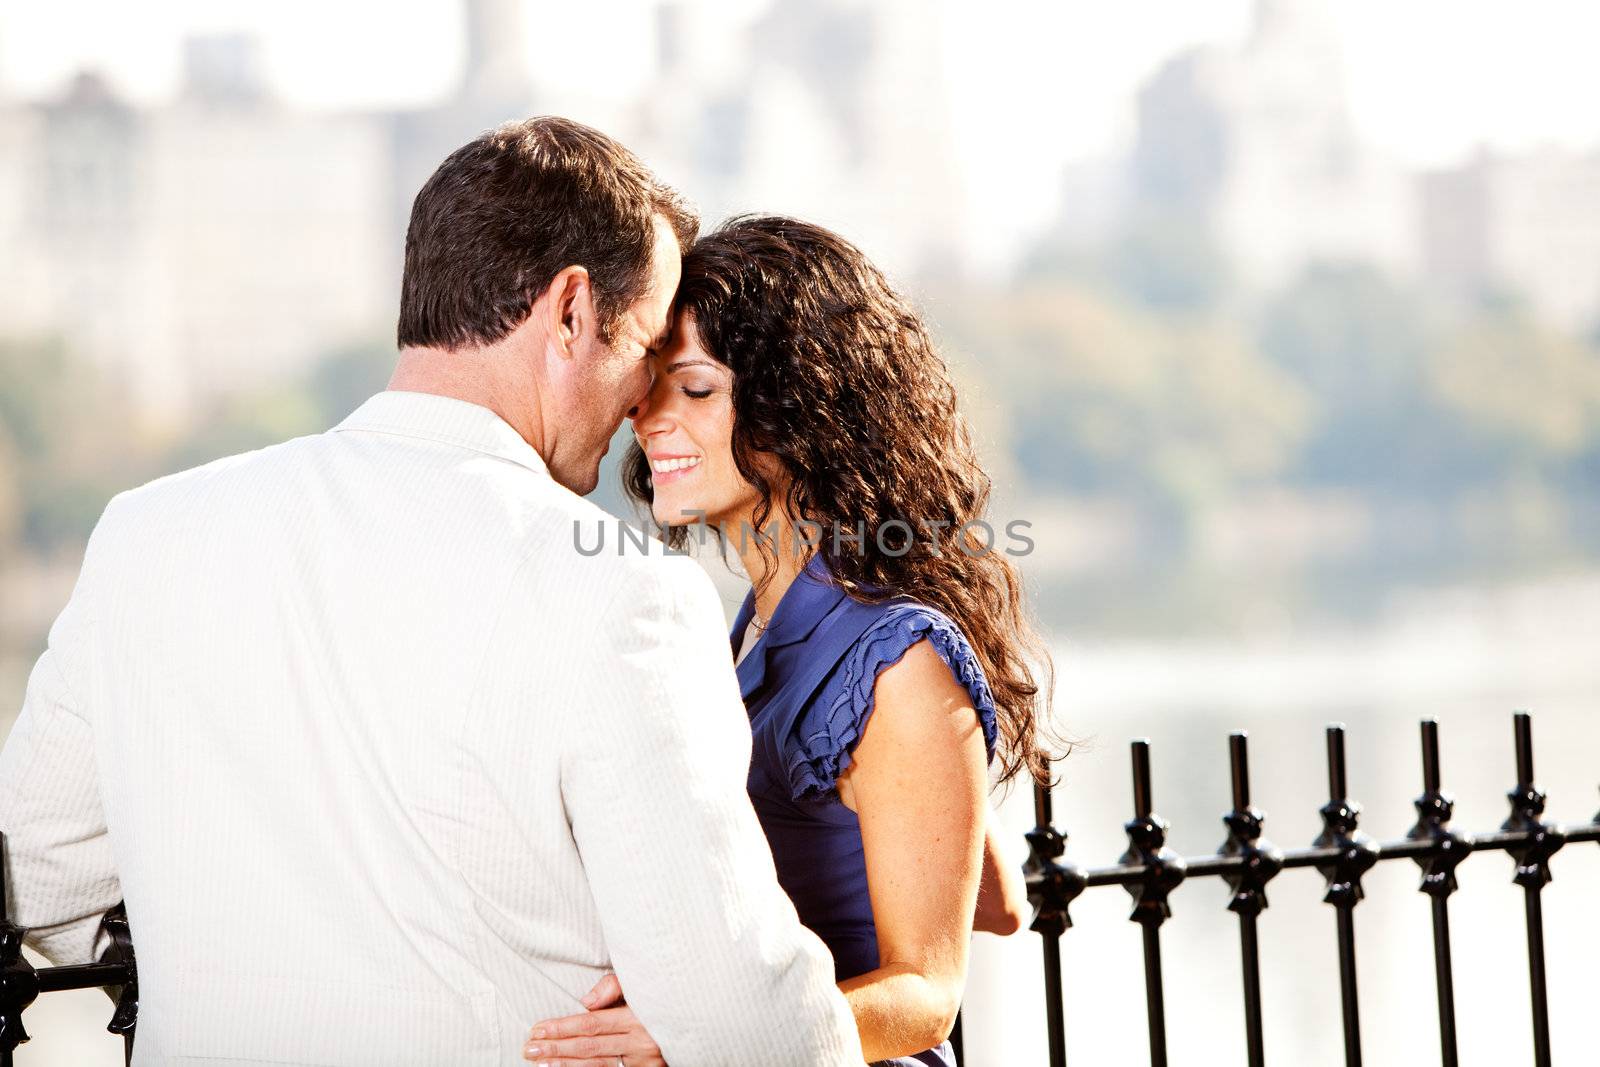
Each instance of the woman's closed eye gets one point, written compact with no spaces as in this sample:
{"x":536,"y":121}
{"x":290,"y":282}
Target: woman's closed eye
{"x":697,"y":394}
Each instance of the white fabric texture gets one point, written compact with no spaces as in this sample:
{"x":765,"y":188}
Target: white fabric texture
{"x":387,"y":770}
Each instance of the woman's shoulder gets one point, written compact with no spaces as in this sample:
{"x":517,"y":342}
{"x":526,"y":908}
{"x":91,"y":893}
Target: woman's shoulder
{"x":861,"y":622}
{"x":895,"y":628}
{"x":828,"y":728}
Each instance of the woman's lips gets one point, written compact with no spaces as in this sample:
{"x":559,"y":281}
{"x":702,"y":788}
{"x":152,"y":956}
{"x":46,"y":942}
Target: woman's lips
{"x":667,"y":477}
{"x":664,"y":469}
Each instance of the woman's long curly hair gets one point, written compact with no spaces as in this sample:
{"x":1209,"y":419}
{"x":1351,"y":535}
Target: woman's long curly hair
{"x":836,"y":377}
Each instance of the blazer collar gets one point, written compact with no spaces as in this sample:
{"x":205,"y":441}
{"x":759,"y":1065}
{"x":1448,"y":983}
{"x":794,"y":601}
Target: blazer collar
{"x":428,"y":417}
{"x":804,"y":604}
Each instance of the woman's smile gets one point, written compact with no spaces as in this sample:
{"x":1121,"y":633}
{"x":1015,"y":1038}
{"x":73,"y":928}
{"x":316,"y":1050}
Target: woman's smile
{"x":665,"y":469}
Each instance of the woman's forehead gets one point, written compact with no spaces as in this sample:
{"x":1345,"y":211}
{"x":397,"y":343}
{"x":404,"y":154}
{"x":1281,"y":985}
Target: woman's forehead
{"x":684,"y":328}
{"x":685,"y":346}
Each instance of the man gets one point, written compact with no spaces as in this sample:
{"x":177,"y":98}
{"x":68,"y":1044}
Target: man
{"x":384,"y":767}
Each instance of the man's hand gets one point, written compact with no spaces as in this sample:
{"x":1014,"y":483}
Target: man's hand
{"x":606,"y":1035}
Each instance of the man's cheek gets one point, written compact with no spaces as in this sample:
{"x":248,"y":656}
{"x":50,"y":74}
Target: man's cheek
{"x":643,"y":381}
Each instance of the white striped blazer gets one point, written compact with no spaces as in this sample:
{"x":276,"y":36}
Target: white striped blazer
{"x":387,"y":770}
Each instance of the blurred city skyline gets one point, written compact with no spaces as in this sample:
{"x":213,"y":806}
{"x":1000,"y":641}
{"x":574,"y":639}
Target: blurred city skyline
{"x":1416,"y":67}
{"x":127,"y":171}
{"x":1030,"y":89}
{"x":1230,"y":333}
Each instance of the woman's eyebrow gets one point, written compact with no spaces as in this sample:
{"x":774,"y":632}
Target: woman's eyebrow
{"x":689,"y":363}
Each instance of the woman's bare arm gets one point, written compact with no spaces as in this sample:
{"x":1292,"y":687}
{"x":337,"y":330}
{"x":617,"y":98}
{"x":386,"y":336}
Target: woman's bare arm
{"x":917,"y":783}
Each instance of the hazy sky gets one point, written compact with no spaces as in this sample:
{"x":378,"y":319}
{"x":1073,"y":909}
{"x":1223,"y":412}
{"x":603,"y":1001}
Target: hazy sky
{"x":1051,"y":79}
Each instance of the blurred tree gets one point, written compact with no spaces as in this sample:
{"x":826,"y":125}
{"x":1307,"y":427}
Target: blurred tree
{"x":76,"y":443}
{"x":348,"y":376}
{"x":1530,"y":397}
{"x":11,"y":503}
{"x":243,"y":423}
{"x":32,"y":403}
{"x":335,"y":386}
{"x":1174,"y":411}
{"x":1359,"y":346}
{"x":1168,"y":262}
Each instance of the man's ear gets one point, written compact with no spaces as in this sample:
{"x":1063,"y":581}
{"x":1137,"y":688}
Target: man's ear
{"x":571,"y":311}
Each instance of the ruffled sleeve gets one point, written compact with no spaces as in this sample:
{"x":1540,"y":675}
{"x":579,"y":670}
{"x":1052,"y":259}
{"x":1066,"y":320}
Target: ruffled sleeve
{"x":825,"y":734}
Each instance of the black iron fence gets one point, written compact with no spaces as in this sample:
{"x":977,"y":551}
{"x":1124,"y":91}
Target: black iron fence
{"x":1247,"y":862}
{"x":1149,"y":871}
{"x":21,"y":983}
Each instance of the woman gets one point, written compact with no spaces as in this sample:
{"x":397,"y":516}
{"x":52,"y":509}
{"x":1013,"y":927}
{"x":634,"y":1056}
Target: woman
{"x":801,"y":413}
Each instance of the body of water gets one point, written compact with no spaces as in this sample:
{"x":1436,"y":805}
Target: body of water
{"x":1466,"y":658}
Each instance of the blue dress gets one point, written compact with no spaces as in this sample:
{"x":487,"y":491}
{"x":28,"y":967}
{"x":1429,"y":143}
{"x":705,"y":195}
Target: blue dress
{"x":808,"y":686}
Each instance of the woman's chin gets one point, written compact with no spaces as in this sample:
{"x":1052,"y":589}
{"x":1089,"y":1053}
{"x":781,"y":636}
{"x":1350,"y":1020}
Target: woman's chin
{"x":676,"y":517}
{"x":677,"y":512}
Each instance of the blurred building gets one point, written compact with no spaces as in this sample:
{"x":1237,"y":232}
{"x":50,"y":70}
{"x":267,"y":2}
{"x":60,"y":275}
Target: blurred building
{"x":272,"y":225}
{"x":1253,"y":146}
{"x":218,"y":243}
{"x":85,"y":234}
{"x":224,"y":242}
{"x":1523,"y":226}
{"x":19,"y":274}
{"x":832,"y":110}
{"x":493,"y":88}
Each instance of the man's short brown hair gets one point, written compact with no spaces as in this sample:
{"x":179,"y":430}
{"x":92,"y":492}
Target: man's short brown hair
{"x":507,"y":212}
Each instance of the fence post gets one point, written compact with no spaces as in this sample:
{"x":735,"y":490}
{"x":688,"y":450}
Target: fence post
{"x":19,"y":982}
{"x":1052,"y":886}
{"x":1356,"y":855}
{"x":1164,"y":870}
{"x":1533,"y":874}
{"x":1434,"y":808}
{"x":1260,"y":861}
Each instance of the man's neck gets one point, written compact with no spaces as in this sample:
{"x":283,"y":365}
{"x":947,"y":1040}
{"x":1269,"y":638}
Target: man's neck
{"x":477,"y":376}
